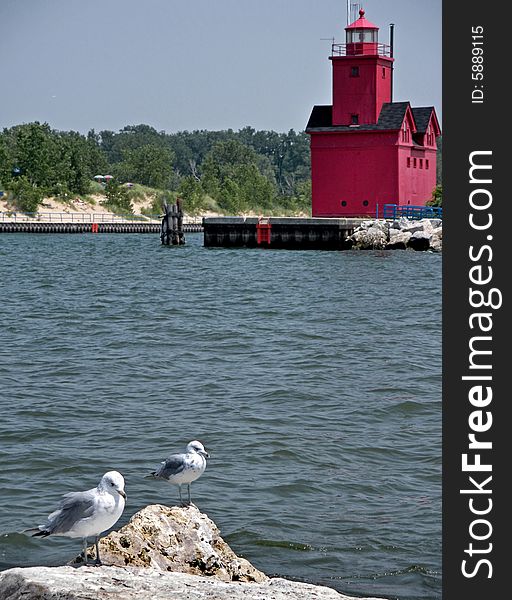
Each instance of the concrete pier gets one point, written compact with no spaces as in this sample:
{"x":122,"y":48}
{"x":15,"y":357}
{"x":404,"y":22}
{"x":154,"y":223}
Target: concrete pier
{"x":279,"y":232}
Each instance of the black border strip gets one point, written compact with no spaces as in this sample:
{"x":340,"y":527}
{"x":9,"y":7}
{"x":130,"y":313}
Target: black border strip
{"x":475,"y":257}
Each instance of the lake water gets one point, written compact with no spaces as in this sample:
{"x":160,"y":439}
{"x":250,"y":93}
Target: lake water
{"x":313,"y":378}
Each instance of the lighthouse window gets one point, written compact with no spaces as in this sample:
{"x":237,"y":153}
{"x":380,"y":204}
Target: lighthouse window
{"x":383,"y":73}
{"x":414,"y":162}
{"x":343,"y":203}
{"x":365,"y":202}
{"x":408,"y":161}
{"x":421,"y":163}
{"x":426,"y":163}
{"x":354,"y":71}
{"x":405,"y":133}
{"x":354,"y":119}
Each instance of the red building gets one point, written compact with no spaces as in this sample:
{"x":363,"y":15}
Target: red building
{"x":367,"y":151}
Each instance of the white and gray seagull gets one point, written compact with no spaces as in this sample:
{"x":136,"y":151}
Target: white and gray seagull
{"x":89,"y":513}
{"x":185,"y":468}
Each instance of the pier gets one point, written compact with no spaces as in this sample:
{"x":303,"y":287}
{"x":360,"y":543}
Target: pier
{"x":279,"y":232}
{"x":76,"y":222}
{"x":134,"y":227}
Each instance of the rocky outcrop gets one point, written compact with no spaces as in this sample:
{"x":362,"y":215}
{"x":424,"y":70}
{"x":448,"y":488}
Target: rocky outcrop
{"x":379,"y":234}
{"x":166,"y":553}
{"x":136,"y":583}
{"x":178,"y":539}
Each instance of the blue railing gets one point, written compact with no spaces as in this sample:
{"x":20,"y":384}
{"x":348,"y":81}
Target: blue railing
{"x":393,"y":211}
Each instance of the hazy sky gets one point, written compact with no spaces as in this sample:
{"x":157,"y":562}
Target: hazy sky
{"x":195,"y":64}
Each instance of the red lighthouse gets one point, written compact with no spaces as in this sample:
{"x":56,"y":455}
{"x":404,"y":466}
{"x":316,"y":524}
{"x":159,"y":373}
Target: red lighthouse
{"x":367,"y":151}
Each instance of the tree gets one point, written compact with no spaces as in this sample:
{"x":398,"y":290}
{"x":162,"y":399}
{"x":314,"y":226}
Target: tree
{"x":27,"y":196}
{"x":148,"y":165}
{"x":34,"y":153}
{"x":191,"y":191}
{"x":75,"y":171}
{"x":232,"y":177}
{"x":117,"y":196}
{"x":437,"y":196}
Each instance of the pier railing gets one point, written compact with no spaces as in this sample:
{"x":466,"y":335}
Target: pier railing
{"x":80,"y":217}
{"x":393,"y":211}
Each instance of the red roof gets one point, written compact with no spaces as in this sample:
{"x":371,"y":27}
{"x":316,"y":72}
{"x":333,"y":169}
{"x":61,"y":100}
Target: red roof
{"x":362,"y":23}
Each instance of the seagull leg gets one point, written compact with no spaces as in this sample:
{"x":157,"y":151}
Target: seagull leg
{"x":179,"y":489}
{"x":98,"y":560}
{"x":189,"y":498}
{"x":84,"y":542}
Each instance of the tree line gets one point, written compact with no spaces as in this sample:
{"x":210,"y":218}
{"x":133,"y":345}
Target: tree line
{"x":230,"y":171}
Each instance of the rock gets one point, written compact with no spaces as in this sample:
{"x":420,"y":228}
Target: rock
{"x":371,"y":238}
{"x":398,"y":239}
{"x":436,"y":241}
{"x":166,"y":553}
{"x":175,"y":539}
{"x":136,"y":583}
{"x":419,"y":240}
{"x":413,"y":227}
{"x":402,"y":233}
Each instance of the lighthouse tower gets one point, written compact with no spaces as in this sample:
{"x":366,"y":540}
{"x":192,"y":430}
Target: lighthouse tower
{"x":361,"y":75}
{"x":366,"y":150}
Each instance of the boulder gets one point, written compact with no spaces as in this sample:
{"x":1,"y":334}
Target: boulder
{"x":425,"y":234}
{"x":412,"y":227}
{"x":137,"y":583}
{"x":398,"y":239}
{"x":371,"y":238}
{"x":175,"y":539}
{"x":419,"y":240}
{"x":436,"y":241}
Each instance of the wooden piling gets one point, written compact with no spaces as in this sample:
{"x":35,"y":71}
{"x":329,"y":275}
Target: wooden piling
{"x":171,"y":231}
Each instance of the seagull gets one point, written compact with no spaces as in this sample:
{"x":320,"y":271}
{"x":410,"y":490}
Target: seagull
{"x":183,"y":468}
{"x":89,"y":513}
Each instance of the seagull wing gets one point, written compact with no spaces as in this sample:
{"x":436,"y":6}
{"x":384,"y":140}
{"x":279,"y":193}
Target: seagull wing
{"x":73,"y":507}
{"x":171,"y":466}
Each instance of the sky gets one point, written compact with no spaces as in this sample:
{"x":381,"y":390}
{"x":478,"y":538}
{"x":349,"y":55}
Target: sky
{"x":196,"y":64}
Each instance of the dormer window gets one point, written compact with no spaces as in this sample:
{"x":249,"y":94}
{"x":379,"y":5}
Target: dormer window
{"x":405,"y":132}
{"x":430,"y":136}
{"x":354,"y":71}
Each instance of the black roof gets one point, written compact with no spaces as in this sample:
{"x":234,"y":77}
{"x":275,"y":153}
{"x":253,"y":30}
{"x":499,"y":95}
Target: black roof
{"x":391,"y":117}
{"x":321,"y":116}
{"x":422,"y":117}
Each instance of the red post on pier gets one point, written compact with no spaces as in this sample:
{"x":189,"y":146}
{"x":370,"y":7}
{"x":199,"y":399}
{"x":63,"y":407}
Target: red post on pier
{"x":263,"y":231}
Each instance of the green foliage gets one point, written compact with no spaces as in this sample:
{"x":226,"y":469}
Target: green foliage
{"x":54,"y":163}
{"x":26,"y":195}
{"x":232,"y":177}
{"x":148,"y":165}
{"x":117,"y":197}
{"x":437,"y":196}
{"x":192,"y":194}
{"x":230,"y":171}
{"x":210,"y":157}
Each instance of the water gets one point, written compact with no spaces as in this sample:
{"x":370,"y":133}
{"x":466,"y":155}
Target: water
{"x":313,"y":378}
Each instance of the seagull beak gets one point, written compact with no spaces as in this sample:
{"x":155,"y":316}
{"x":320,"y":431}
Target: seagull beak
{"x":122,"y":493}
{"x":205,"y":454}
